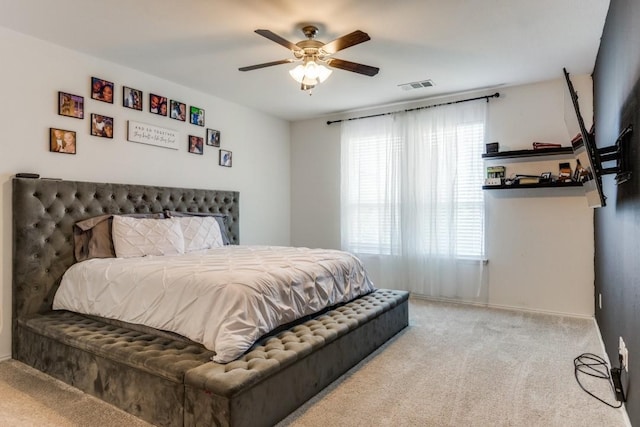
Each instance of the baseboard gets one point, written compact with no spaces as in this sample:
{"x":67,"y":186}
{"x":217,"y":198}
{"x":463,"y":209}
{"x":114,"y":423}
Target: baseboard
{"x":5,"y":357}
{"x":501,"y":306}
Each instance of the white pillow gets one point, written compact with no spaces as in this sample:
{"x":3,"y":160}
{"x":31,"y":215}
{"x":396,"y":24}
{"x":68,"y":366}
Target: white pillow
{"x":136,"y":237}
{"x":200,"y":232}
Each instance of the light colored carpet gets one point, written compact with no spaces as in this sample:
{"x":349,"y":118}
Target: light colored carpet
{"x":455,"y":365}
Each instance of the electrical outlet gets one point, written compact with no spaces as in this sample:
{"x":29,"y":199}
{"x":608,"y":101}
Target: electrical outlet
{"x":624,"y":355}
{"x":600,"y":301}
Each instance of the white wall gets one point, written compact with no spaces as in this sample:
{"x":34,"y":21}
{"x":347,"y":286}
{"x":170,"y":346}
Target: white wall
{"x":539,"y":242}
{"x":32,"y":73}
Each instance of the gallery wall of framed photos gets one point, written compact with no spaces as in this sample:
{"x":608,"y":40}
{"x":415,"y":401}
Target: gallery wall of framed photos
{"x":102,"y":125}
{"x":35,"y":70}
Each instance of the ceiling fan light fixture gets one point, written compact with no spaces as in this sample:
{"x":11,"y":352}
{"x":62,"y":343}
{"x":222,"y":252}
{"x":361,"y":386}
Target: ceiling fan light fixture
{"x":323,"y":73}
{"x":311,"y":69}
{"x":310,"y":74}
{"x":314,"y":55}
{"x":307,"y":81}
{"x":297,"y":73}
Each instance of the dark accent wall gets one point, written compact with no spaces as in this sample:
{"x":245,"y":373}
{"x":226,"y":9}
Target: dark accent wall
{"x":616,"y":82}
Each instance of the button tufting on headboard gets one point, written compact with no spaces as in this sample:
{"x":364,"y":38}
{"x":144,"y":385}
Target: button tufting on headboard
{"x":44,"y":212}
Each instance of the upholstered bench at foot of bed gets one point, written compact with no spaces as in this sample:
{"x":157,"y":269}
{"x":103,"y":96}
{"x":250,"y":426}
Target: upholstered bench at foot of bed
{"x":172,"y":382}
{"x":283,"y":371}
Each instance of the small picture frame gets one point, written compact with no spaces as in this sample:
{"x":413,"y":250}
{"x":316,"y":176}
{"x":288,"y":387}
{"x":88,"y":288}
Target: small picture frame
{"x":545,"y":175}
{"x":225,"y":158}
{"x":178,"y":110}
{"x":132,"y":98}
{"x":101,"y":90}
{"x":157,"y":104}
{"x":101,"y":126}
{"x":213,"y":137}
{"x":196,"y":116}
{"x":62,"y":141}
{"x":196,"y":144}
{"x":70,"y":105}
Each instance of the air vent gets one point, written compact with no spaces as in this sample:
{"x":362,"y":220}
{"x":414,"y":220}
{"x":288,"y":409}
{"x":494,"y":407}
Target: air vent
{"x":416,"y":85}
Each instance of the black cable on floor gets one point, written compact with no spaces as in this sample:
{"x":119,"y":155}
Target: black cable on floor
{"x":594,"y":366}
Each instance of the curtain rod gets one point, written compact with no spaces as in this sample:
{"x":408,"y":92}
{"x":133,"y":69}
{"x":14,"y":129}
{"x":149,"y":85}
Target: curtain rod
{"x":495,"y":95}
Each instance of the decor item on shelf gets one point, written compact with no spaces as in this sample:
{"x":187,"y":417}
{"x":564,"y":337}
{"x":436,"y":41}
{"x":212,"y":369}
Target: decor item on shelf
{"x":101,"y":90}
{"x":62,"y":141}
{"x":493,"y":147}
{"x":225,"y":158}
{"x":314,"y":55}
{"x":546,"y":177}
{"x":196,"y":144}
{"x":580,"y":174}
{"x":495,"y":175}
{"x":132,"y":98}
{"x":565,"y":172}
{"x":213,"y":137}
{"x":196,"y":116}
{"x":157,"y":104}
{"x":70,"y":105}
{"x":101,"y":126}
{"x":527,"y":179}
{"x":544,"y":145}
{"x":178,"y":110}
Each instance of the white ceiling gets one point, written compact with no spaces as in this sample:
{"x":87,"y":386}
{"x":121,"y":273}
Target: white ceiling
{"x":461,"y":45}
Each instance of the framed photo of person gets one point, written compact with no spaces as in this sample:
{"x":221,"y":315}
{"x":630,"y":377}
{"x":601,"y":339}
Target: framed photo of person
{"x":101,"y":90}
{"x":62,"y":141}
{"x":225,"y":158}
{"x":195,"y":144}
{"x":71,"y":105}
{"x":158,"y":104}
{"x":132,"y":98}
{"x":178,"y":110}
{"x":196,"y":116}
{"x":213,"y":137}
{"x":101,"y":126}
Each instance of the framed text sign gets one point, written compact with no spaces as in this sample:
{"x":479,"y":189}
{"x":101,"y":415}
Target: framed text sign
{"x":152,"y":135}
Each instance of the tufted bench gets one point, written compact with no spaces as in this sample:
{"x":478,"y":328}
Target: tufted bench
{"x":131,"y":368}
{"x":169,"y":358}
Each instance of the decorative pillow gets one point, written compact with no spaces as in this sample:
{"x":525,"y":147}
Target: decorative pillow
{"x":222,"y":219}
{"x":200,"y":232}
{"x":92,"y":237}
{"x":137,"y":237}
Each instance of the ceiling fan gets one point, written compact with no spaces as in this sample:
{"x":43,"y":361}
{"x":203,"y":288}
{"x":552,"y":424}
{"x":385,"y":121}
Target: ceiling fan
{"x":314,"y":55}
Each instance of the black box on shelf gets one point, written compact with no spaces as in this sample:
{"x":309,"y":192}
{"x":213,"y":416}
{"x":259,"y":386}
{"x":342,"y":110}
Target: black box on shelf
{"x":493,"y":147}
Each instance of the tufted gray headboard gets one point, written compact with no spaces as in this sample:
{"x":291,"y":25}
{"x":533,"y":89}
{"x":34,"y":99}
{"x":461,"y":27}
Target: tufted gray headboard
{"x":44,"y":212}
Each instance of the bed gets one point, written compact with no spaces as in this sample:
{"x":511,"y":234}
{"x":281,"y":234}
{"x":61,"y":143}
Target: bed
{"x":158,"y":375}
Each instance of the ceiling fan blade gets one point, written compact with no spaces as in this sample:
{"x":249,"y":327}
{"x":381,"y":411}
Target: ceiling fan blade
{"x":266,"y":64}
{"x":344,"y":42}
{"x":276,"y":38}
{"x":367,"y":70}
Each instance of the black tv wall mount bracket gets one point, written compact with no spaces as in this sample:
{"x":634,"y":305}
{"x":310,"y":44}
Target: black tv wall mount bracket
{"x":618,"y":152}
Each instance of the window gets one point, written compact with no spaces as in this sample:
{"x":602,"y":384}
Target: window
{"x":412,"y":184}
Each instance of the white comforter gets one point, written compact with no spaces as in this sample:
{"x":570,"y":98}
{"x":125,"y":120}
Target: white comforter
{"x":224,"y":298}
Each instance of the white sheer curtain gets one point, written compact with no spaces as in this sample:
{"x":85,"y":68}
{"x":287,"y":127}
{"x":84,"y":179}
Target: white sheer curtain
{"x":412,"y":206}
